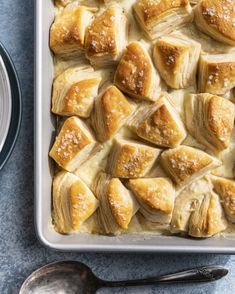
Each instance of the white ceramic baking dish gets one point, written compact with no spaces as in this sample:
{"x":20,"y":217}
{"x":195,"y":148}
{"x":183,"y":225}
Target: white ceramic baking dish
{"x":44,"y":129}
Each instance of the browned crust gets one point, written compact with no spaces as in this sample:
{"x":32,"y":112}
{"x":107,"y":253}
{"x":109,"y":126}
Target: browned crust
{"x":132,"y":161}
{"x":100,"y":36}
{"x":115,"y":109}
{"x":185,"y":161}
{"x":149,"y":11}
{"x":77,"y":93}
{"x":69,"y":142}
{"x":220,"y":16}
{"x":121,"y":207}
{"x":220,"y":119}
{"x":153,"y":192}
{"x":134,"y":72}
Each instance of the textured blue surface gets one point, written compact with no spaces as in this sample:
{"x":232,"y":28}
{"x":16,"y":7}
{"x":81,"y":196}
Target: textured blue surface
{"x":20,"y":252}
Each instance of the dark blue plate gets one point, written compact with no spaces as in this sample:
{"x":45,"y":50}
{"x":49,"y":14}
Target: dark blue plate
{"x":16,"y":108}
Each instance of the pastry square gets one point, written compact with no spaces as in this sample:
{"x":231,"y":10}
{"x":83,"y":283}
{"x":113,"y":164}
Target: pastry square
{"x":136,"y":75}
{"x":156,"y":198}
{"x":159,"y":123}
{"x":130,"y":159}
{"x":216,"y":73}
{"x":199,"y":215}
{"x":216,"y":18}
{"x":73,"y":202}
{"x":74,"y":144}
{"x":176,"y":58}
{"x":106,"y":38}
{"x":74,"y":91}
{"x":226,"y":190}
{"x":185,"y":164}
{"x":111,"y":111}
{"x":210,"y":119}
{"x":161,"y":17}
{"x":67,"y":32}
{"x":117,"y":204}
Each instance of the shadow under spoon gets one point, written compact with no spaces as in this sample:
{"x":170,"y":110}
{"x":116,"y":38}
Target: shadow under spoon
{"x":72,"y":277}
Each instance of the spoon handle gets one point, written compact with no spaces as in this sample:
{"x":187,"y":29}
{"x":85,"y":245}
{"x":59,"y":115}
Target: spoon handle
{"x":201,"y":274}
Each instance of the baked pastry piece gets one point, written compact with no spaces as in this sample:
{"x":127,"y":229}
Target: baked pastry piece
{"x":73,"y":145}
{"x":160,"y":17}
{"x":210,"y":119}
{"x":198,"y":212}
{"x":176,"y":58}
{"x":156,"y":198}
{"x":159,"y":123}
{"x":207,"y":219}
{"x":186,"y":164}
{"x":216,"y":18}
{"x":67,"y":33}
{"x":136,"y":75}
{"x":216,"y":73}
{"x":106,"y":37}
{"x":117,"y":204}
{"x":110,"y":113}
{"x":73,"y":202}
{"x":74,"y":91}
{"x":130,"y":159}
{"x":226,"y":190}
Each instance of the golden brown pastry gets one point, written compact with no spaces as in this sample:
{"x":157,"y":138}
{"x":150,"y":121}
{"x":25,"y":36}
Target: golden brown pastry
{"x":156,"y":198}
{"x":210,"y":119}
{"x":130,"y":159}
{"x":67,"y":33}
{"x":207,"y":219}
{"x":216,"y":73}
{"x":159,"y":123}
{"x":136,"y":75}
{"x":160,"y":17}
{"x":74,"y":91}
{"x":106,"y":37}
{"x":117,"y":204}
{"x":74,"y":144}
{"x":73,"y":202}
{"x":185,"y":164}
{"x":110,"y":113}
{"x":176,"y":58}
{"x":216,"y":18}
{"x":226,"y":190}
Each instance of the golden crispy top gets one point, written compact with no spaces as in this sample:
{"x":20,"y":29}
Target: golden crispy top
{"x":226,"y":190}
{"x":220,"y":15}
{"x":160,"y":128}
{"x":67,"y":28}
{"x":220,"y":118}
{"x":76,"y":96}
{"x":150,"y":11}
{"x":82,"y":203}
{"x":185,"y":161}
{"x":133,"y":160}
{"x":69,"y":142}
{"x":218,"y":75}
{"x":170,"y":55}
{"x":134,"y":71}
{"x":120,"y":203}
{"x":155,"y":193}
{"x":115,"y":108}
{"x":101,"y":34}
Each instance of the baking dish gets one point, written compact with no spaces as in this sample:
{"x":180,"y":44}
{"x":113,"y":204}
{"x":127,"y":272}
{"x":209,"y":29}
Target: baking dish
{"x":44,"y":128}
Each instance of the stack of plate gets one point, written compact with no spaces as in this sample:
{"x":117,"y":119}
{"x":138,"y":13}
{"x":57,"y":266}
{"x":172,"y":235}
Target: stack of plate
{"x":10,"y":106}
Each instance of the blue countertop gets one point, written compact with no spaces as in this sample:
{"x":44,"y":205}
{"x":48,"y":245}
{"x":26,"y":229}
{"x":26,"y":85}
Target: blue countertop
{"x":20,"y":251}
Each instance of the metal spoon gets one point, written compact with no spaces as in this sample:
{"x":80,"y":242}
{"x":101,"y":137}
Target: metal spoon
{"x":72,"y":277}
